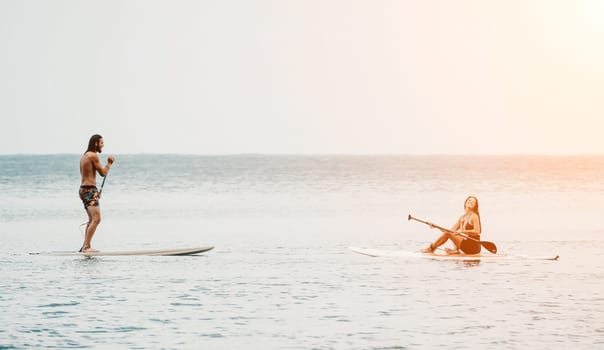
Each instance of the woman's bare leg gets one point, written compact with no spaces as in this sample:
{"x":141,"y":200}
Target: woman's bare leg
{"x":456,"y":239}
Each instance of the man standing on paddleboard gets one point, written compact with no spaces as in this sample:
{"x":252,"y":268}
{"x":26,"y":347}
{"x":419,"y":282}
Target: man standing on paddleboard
{"x":90,"y":164}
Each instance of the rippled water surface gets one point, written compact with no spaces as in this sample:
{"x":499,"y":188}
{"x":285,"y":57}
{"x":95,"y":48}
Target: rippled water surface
{"x":280,"y":275}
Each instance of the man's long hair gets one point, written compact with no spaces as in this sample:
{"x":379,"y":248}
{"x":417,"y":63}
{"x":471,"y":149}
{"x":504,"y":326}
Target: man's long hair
{"x":93,"y":144}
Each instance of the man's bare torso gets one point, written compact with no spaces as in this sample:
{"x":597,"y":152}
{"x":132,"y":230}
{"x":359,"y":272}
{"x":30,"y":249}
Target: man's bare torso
{"x":88,"y":169}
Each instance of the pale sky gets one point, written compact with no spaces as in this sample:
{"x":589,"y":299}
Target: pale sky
{"x":303,"y":77}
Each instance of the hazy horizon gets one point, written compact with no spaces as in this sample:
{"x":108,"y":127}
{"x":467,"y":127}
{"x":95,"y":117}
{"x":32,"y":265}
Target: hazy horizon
{"x":528,"y":155}
{"x":303,"y":77}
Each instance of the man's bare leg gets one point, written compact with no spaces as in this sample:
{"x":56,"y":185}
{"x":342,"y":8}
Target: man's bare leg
{"x":94,"y":216}
{"x":86,"y":230}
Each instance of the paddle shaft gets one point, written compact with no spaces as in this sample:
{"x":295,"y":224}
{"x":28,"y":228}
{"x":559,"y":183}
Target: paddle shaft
{"x":103,"y":183}
{"x":438,"y":227}
{"x":490,"y":246}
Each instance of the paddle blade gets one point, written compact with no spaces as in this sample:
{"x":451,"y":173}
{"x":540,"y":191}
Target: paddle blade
{"x":490,"y":246}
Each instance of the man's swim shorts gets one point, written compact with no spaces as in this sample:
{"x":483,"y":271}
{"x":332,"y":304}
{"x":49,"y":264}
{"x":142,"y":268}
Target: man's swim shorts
{"x":89,"y":195}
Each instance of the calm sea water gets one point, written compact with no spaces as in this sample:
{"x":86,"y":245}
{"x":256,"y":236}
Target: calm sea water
{"x":281,"y":276}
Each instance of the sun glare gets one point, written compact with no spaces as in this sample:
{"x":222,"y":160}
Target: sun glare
{"x":594,"y":10}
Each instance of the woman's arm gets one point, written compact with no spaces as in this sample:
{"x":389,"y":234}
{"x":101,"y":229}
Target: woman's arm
{"x":457,"y":225}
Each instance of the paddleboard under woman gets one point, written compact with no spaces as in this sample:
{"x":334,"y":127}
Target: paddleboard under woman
{"x":468,"y":225}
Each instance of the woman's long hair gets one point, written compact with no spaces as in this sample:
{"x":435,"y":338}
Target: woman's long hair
{"x":93,"y":143}
{"x":475,"y":209}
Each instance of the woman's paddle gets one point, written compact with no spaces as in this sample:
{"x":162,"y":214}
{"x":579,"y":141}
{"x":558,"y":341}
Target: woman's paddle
{"x":490,"y":246}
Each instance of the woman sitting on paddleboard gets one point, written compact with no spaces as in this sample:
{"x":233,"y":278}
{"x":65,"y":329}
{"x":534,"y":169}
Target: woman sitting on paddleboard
{"x":466,"y":231}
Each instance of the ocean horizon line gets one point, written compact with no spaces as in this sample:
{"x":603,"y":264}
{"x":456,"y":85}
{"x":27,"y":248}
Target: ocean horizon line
{"x":267,"y":154}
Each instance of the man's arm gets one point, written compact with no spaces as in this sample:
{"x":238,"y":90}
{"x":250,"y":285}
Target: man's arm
{"x":96,"y":161}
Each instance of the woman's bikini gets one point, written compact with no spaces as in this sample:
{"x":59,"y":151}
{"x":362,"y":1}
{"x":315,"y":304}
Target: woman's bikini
{"x":467,"y":225}
{"x":470,"y":246}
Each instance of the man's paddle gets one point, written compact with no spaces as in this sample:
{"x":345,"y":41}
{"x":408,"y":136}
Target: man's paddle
{"x":490,"y":246}
{"x":103,"y":184}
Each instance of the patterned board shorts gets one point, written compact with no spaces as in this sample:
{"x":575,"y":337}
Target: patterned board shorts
{"x":89,"y":196}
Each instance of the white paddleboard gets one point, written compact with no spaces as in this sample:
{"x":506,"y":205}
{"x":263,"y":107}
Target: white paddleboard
{"x":156,"y":252}
{"x":444,"y":256}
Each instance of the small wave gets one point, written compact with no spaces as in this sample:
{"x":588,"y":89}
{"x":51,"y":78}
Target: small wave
{"x":186,"y":304}
{"x":54,"y":313}
{"x":129,"y":329}
{"x":73,"y":303}
{"x":213,"y":335}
